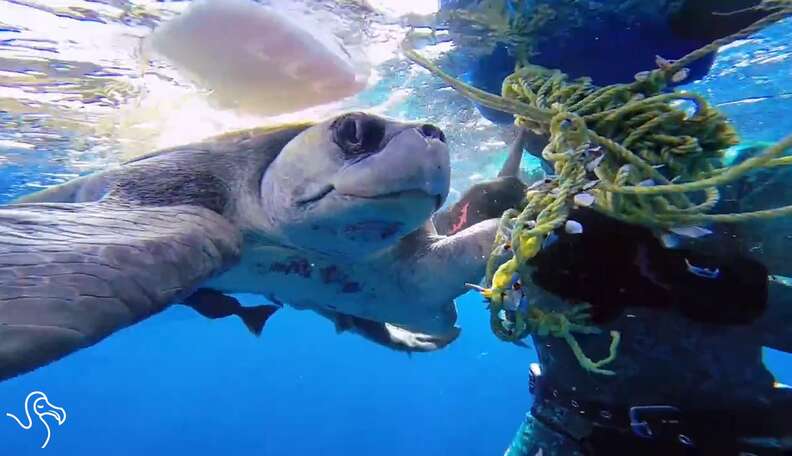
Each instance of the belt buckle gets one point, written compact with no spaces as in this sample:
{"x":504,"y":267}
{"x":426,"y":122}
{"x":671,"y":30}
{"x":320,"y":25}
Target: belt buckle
{"x":658,"y":422}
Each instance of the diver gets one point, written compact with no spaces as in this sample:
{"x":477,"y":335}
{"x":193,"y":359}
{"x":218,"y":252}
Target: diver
{"x":695,"y":314}
{"x":689,"y":378}
{"x":487,"y":200}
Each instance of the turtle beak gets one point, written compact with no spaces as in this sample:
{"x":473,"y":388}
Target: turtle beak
{"x":414,"y":160}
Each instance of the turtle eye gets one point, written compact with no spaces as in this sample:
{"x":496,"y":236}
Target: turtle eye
{"x":358,"y":134}
{"x":348,"y":133}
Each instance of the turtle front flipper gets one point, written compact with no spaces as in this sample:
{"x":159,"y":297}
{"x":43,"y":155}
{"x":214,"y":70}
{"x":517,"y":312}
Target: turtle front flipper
{"x":441,"y":271}
{"x":72,"y":274}
{"x":391,"y":336}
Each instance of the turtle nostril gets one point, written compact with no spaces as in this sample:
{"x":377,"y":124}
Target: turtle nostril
{"x":432,"y":132}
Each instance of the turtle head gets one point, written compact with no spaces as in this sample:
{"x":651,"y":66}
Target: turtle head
{"x":356,"y":184}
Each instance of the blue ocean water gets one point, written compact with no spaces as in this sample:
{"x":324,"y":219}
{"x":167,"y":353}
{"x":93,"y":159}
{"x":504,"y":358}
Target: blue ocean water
{"x":181,"y":384}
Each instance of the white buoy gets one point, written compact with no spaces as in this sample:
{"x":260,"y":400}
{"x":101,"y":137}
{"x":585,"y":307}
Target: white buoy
{"x":257,"y":60}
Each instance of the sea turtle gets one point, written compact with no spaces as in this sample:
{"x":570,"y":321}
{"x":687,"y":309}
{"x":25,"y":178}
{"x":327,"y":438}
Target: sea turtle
{"x":333,"y":217}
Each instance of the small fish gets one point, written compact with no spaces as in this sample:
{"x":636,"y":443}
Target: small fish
{"x":694,"y":232}
{"x":592,"y":165}
{"x":514,"y":299}
{"x":590,"y":184}
{"x":707,"y":273}
{"x":781,"y":280}
{"x":669,"y":240}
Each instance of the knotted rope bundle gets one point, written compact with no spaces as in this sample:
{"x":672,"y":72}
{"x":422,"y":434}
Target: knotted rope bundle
{"x":631,"y":151}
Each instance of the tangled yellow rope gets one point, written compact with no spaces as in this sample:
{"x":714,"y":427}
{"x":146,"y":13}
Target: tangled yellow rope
{"x":636,"y":152}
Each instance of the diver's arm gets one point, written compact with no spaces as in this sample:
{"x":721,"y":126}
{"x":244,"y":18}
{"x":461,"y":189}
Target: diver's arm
{"x":530,"y":141}
{"x":512,"y":166}
{"x":775,"y":326}
{"x":488,"y":199}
